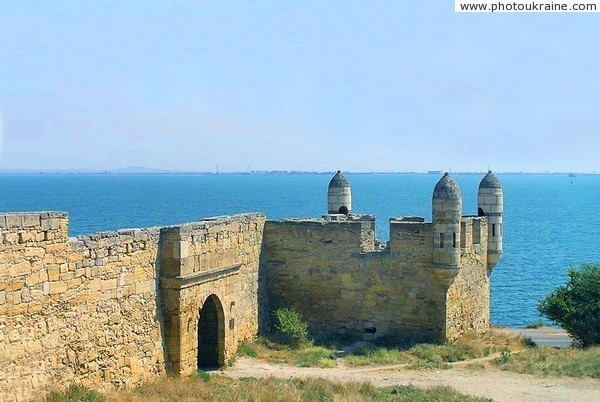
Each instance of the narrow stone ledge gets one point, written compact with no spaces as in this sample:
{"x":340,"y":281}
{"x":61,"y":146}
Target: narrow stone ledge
{"x":197,"y":278}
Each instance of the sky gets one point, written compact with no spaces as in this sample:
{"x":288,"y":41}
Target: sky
{"x":296,"y":85}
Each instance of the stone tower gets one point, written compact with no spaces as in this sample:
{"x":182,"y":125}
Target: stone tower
{"x":490,"y":204}
{"x":339,"y":197}
{"x":446,"y":216}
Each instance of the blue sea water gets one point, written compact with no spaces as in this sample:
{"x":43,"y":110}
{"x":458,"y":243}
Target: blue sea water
{"x":550,"y":221}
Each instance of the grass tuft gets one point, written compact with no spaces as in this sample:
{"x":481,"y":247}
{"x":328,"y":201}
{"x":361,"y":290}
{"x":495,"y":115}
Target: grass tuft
{"x":420,"y":356}
{"x":410,"y":393}
{"x":372,"y":356}
{"x":74,"y":393}
{"x":435,"y":356}
{"x":244,"y":349}
{"x":203,"y":375}
{"x":544,"y":360}
{"x":306,"y":355}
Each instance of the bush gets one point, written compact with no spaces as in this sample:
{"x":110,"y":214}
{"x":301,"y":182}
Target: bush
{"x":292,"y":329}
{"x":576,"y":305}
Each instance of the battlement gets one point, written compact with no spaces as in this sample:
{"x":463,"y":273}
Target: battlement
{"x":473,"y":232}
{"x":353,"y":233}
{"x":21,"y":228}
{"x":411,"y":238}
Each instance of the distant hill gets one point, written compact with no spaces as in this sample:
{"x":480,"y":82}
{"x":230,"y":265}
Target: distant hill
{"x":138,"y":169}
{"x":126,"y":170}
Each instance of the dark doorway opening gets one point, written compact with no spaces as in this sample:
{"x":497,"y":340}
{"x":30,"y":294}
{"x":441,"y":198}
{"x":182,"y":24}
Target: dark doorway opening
{"x":343,"y":210}
{"x":211,"y":337}
{"x":480,"y":212}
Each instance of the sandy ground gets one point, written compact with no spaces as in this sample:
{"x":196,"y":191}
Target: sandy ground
{"x":491,"y":383}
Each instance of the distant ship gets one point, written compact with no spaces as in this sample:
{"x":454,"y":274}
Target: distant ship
{"x":571,"y":174}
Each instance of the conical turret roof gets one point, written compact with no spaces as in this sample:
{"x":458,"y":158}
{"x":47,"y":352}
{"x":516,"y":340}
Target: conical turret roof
{"x":339,"y":180}
{"x":490,"y":181}
{"x":447,"y":188}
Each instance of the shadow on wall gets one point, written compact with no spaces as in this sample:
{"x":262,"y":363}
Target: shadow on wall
{"x":265,"y":312}
{"x":160,"y":310}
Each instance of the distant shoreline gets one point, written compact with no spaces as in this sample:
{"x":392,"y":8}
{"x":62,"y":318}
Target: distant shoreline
{"x":266,"y":173}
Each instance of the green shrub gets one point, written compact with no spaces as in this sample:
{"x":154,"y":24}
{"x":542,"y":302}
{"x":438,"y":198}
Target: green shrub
{"x":575,"y":306}
{"x":292,"y":330}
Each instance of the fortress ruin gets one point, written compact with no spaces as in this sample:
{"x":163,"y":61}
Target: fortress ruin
{"x":118,"y":308}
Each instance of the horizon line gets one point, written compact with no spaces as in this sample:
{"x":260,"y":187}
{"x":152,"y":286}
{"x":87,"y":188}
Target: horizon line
{"x":151,"y":171}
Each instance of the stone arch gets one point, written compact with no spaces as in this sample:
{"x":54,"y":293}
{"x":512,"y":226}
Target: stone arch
{"x":211,"y":334}
{"x":343,"y":210}
{"x":480,"y":212}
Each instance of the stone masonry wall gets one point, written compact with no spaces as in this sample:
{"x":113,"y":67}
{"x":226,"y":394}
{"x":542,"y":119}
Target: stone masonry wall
{"x":319,"y":268}
{"x":118,"y":308}
{"x":468,"y":299}
{"x":322,"y":269}
{"x":89,"y":309}
{"x":218,"y":257}
{"x":79,"y":310}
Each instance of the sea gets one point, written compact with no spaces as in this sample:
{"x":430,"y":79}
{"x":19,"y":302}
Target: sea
{"x":550,"y":220}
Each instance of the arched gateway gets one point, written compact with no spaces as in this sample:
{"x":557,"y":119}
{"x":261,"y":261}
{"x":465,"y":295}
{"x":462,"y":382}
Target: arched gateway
{"x":211,"y":334}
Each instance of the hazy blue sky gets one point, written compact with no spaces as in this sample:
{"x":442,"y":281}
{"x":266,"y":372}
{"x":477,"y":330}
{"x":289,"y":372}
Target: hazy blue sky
{"x":303,"y":85}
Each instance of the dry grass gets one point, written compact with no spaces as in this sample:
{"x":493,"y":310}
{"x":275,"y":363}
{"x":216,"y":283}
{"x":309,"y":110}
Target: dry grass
{"x":304,"y":356}
{"x":551,"y":361}
{"x":420,"y":356}
{"x":74,"y":393}
{"x":220,"y":388}
{"x":427,"y":356}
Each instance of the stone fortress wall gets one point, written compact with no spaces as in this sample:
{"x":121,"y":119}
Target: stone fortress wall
{"x":331,"y":272}
{"x":117,"y":308}
{"x":113,"y":308}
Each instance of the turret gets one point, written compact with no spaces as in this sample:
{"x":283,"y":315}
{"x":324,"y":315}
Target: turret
{"x":490,"y":204}
{"x":446,"y":214}
{"x":339,"y":197}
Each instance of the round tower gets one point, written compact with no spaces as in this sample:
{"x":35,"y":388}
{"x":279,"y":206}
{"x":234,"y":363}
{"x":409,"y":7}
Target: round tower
{"x":490,"y":205}
{"x":339,"y":197}
{"x":446,"y":214}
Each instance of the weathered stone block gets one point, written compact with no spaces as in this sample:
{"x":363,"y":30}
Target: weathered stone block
{"x":13,"y":221}
{"x":57,"y":287}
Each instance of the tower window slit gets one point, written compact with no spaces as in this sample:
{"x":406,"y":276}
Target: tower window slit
{"x":454,"y":240}
{"x":441,"y":240}
{"x":476,"y":232}
{"x":493,"y":229}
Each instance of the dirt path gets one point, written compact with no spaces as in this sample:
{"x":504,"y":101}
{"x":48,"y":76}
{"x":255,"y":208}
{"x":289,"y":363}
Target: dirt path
{"x":498,"y":385}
